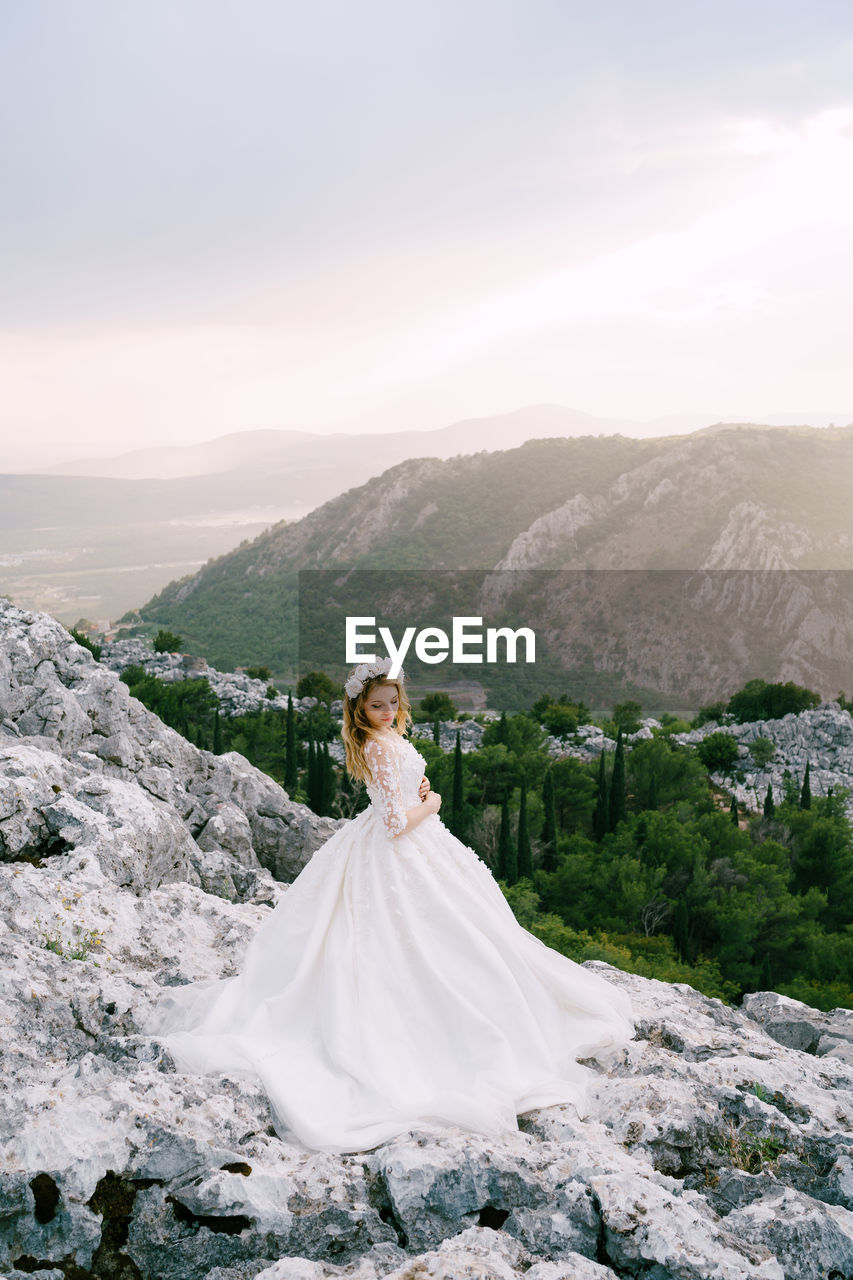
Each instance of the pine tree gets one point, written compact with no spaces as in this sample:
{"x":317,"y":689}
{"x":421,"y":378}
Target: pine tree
{"x":525,"y":854}
{"x":507,"y":857}
{"x":806,"y":793}
{"x":733,"y":810}
{"x":457,"y":793}
{"x":290,"y":762}
{"x":601,"y":816}
{"x":217,"y":733}
{"x":549,"y":826}
{"x":617,"y":784}
{"x":769,"y":806}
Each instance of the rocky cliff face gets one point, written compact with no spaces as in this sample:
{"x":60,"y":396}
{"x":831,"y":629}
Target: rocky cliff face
{"x":719,"y":1144}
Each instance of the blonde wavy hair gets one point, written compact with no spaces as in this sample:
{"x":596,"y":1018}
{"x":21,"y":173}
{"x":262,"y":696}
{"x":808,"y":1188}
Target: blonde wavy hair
{"x":357,"y":728}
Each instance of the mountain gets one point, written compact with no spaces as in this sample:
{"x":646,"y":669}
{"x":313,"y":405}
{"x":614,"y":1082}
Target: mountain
{"x":733,"y":547}
{"x":95,"y":537}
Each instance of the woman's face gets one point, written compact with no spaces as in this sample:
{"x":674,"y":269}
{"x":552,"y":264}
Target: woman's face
{"x":380,"y":706}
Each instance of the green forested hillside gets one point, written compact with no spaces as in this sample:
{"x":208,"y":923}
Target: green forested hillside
{"x":726,"y":500}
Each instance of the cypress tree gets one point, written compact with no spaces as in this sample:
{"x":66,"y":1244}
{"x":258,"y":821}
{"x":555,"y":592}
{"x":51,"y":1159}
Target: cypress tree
{"x":525,"y":854}
{"x":806,"y":793}
{"x":502,"y":734}
{"x":311,"y":778}
{"x":769,"y":806}
{"x":290,"y":763}
{"x":549,"y":827}
{"x":326,"y":781}
{"x":507,"y":857}
{"x":457,"y":794}
{"x":733,"y":810}
{"x":617,"y":784}
{"x":601,"y":817}
{"x":436,"y":731}
{"x":681,"y":928}
{"x":217,"y":733}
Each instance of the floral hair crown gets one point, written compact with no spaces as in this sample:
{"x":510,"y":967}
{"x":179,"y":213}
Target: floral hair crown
{"x":368,"y":671}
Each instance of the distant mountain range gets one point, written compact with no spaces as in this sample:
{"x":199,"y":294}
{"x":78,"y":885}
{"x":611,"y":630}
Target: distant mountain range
{"x":738,"y":542}
{"x":303,"y":452}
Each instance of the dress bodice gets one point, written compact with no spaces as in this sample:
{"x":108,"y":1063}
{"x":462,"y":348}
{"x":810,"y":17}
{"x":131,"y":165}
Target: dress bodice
{"x":396,"y":769}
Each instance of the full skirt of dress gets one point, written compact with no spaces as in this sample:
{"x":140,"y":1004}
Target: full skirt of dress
{"x":392,"y":987}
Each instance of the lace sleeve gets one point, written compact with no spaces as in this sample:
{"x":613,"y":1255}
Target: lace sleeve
{"x":384,"y":787}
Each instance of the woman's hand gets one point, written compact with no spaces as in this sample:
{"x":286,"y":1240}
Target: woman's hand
{"x":428,"y":804}
{"x":423,"y":789}
{"x":432,"y":802}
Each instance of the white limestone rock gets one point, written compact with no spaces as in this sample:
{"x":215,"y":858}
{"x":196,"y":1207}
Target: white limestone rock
{"x":73,"y":740}
{"x":798,"y":1026}
{"x":478,"y":1253}
{"x":811,"y":1240}
{"x":648,"y":1229}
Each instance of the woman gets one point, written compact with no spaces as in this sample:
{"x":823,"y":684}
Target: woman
{"x":392,"y":986}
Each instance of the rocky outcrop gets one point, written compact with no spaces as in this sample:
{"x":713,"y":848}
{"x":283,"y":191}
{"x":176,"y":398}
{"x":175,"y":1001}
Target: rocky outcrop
{"x":238,"y":693}
{"x":118,"y":1164}
{"x":821,"y":737}
{"x":799,"y":1027}
{"x":470,"y":734}
{"x":84,"y":767}
{"x":718,"y":1143}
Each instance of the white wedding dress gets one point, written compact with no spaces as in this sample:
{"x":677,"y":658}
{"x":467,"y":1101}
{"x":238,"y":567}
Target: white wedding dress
{"x":393,"y":988}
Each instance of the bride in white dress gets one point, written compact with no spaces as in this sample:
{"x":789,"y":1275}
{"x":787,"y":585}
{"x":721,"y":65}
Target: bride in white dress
{"x":392,"y":986}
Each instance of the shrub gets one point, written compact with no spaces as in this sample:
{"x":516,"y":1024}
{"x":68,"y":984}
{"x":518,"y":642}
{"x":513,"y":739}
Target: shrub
{"x":316,"y":684}
{"x":94,"y":649}
{"x":758,"y":700}
{"x":167,"y":642}
{"x":435,"y":705}
{"x":718,"y":752}
{"x":762,"y":751}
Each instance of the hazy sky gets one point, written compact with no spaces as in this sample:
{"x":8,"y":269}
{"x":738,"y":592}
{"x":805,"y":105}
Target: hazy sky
{"x":372,"y":215}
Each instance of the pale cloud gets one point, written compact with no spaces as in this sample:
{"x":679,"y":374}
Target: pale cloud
{"x":774,"y":250}
{"x":626,"y":219}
